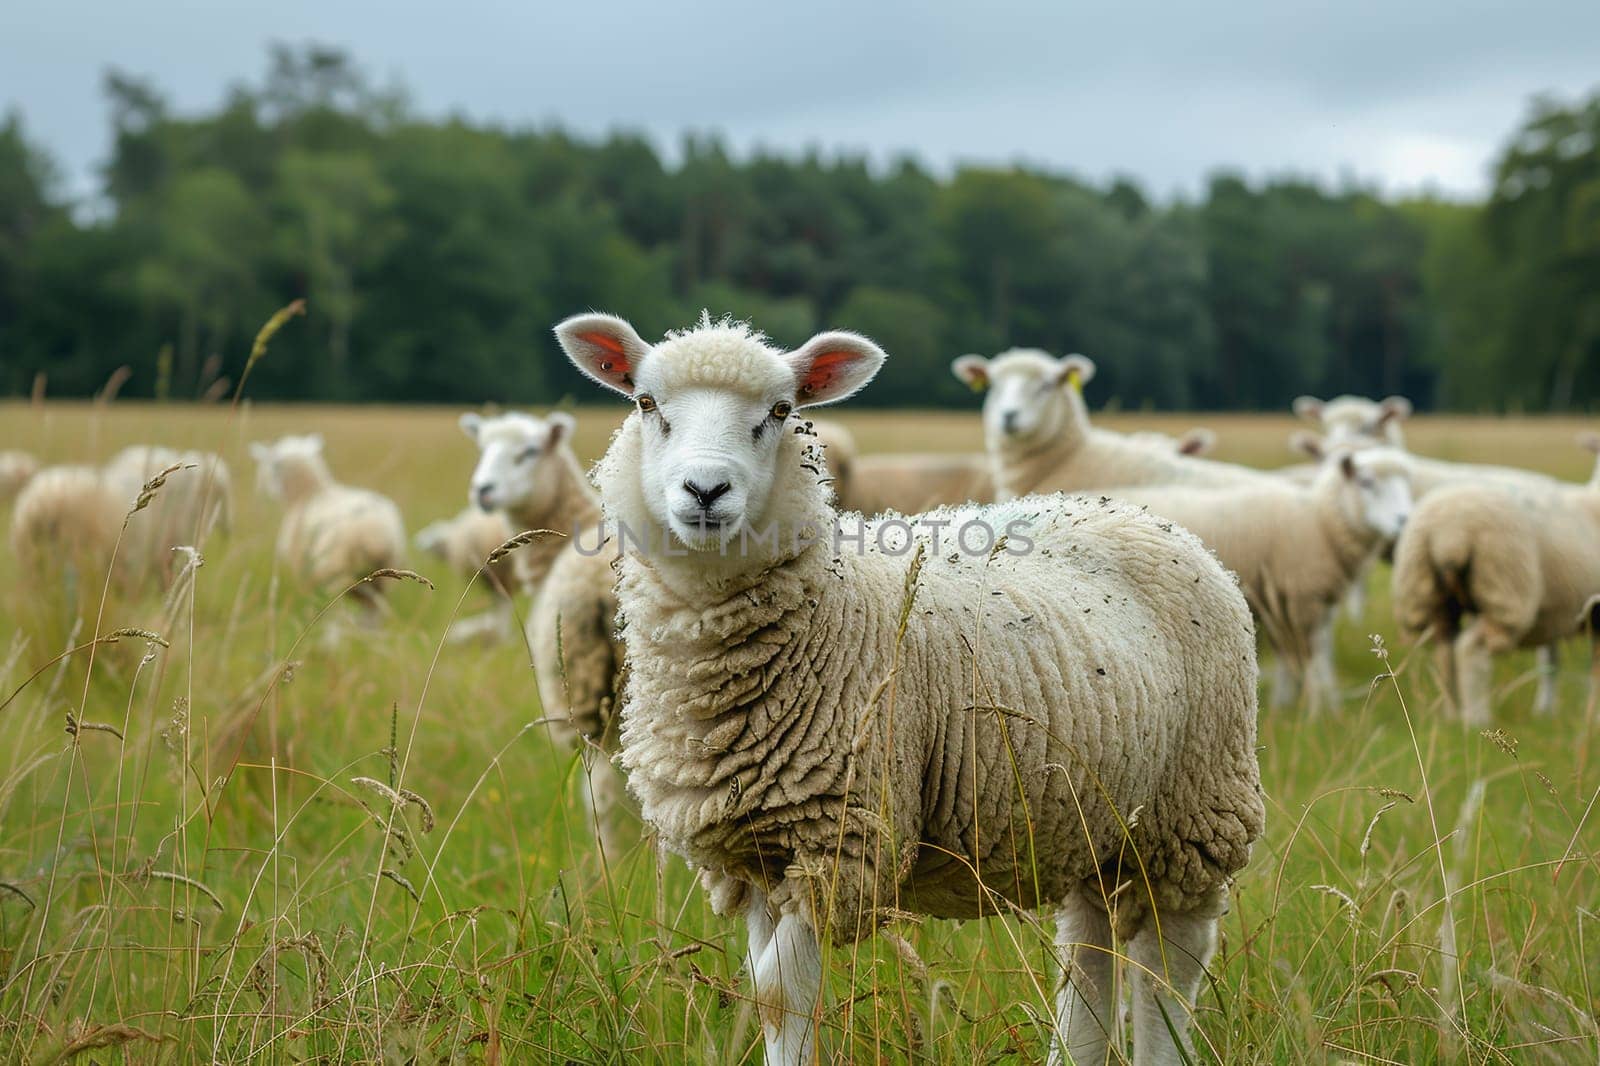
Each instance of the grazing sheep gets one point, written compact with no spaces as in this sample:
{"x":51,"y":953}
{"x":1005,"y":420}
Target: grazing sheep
{"x":1040,"y":440}
{"x":15,"y":470}
{"x":196,"y":498}
{"x":66,"y":522}
{"x":331,"y":534}
{"x":1297,"y":550}
{"x":465,"y":541}
{"x":1484,"y":569}
{"x":831,"y":718}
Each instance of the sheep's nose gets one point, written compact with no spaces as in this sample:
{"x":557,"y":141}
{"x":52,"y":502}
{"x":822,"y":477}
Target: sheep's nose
{"x":706,"y":497}
{"x":1009,"y":421}
{"x":482,"y":492}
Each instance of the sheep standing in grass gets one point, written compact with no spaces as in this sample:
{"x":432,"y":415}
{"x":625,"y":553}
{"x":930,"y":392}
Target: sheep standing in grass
{"x":831,"y":722}
{"x":526,"y":470}
{"x":1297,"y":550}
{"x":1485,"y":569}
{"x":66,"y":523}
{"x":332,"y":534}
{"x":15,"y":470}
{"x":196,"y":499}
{"x":1039,"y":437}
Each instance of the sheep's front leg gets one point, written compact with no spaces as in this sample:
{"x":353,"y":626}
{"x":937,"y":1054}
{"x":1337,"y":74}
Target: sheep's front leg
{"x":1085,"y":1004}
{"x":1548,"y":658}
{"x":1168,"y":970}
{"x":1322,"y":689}
{"x":786,"y":964}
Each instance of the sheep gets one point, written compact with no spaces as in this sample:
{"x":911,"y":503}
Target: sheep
{"x":464,"y":542}
{"x":331,"y":533}
{"x":813,"y":709}
{"x":66,"y":521}
{"x":527,"y":471}
{"x":195,"y":499}
{"x":15,"y":470}
{"x":1484,"y":569}
{"x":909,"y":484}
{"x":1356,"y":418}
{"x":1040,"y":440}
{"x":1297,"y":550}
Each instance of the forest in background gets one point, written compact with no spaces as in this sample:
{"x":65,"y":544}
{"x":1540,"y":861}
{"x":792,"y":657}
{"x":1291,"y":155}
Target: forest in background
{"x":435,"y":255}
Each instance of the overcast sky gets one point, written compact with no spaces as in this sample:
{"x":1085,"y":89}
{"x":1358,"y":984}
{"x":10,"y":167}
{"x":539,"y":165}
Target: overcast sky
{"x":1410,"y":95}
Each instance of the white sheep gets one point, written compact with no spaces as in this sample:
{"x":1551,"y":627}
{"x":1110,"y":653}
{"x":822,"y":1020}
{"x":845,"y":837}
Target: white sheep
{"x":1039,"y":438}
{"x":1485,"y":569}
{"x":464,"y":542}
{"x":331,"y":534}
{"x":1351,"y":419}
{"x":1297,"y":550}
{"x":195,"y":499}
{"x":15,"y":470}
{"x":526,"y":470}
{"x":830,"y":721}
{"x":65,"y":523}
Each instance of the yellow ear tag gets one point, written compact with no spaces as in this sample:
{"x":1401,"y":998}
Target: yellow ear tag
{"x":979,"y":384}
{"x":1075,"y":380}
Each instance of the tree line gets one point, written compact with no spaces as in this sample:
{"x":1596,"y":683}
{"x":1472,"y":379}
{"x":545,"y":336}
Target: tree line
{"x":434,"y":255}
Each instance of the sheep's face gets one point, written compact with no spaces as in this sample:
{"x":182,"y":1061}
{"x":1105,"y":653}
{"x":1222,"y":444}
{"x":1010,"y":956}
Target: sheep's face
{"x":714,"y":409}
{"x":1377,"y":486}
{"x":276,"y":461}
{"x":518,"y":466}
{"x":1356,"y":419}
{"x":1030,"y":395}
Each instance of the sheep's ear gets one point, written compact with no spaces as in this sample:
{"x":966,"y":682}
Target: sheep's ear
{"x":1395,"y":408}
{"x":260,"y":452}
{"x":1075,"y":371}
{"x":470,"y":424}
{"x":1197,"y":441}
{"x":604,"y":347}
{"x":1306,"y":444}
{"x":561,"y":426}
{"x":832,"y":366}
{"x":1308,"y":408}
{"x":973,"y":370}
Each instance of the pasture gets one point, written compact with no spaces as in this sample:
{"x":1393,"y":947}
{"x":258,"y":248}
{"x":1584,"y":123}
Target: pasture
{"x":245,"y":842}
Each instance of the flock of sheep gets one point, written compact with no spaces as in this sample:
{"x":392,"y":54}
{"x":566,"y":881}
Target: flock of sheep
{"x":849,"y":719}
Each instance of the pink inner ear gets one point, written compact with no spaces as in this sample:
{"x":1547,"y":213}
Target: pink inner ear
{"x":824,"y":369}
{"x":618,"y":364}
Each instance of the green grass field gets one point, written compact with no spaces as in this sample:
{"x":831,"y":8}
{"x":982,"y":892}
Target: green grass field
{"x":260,"y":846}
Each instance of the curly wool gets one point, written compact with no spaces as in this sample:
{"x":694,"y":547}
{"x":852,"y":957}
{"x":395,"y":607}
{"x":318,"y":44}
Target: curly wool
{"x":881,"y":731}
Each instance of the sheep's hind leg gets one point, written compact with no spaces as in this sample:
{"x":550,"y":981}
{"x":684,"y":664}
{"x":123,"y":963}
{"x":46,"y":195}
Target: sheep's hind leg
{"x":786,"y":963}
{"x":1168,"y":970}
{"x":1475,"y":649}
{"x":1085,"y":1003}
{"x":1548,"y":658}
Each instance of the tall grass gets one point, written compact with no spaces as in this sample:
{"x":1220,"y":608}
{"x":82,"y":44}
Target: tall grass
{"x":239,"y":841}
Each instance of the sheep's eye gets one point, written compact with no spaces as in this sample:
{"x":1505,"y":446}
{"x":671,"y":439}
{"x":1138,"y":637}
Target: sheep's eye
{"x":781,"y":410}
{"x":527,"y":453}
{"x":647,"y":402}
